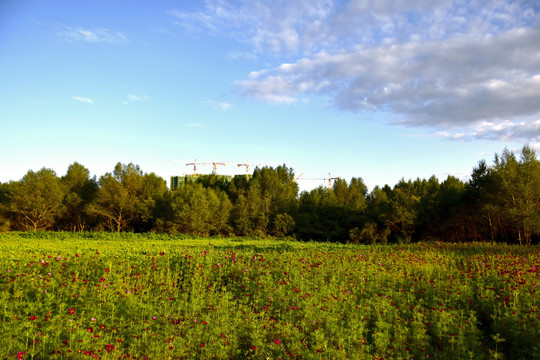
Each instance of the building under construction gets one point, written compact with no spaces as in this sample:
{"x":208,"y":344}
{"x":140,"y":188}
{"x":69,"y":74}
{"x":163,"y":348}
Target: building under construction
{"x":213,"y":179}
{"x":178,"y":181}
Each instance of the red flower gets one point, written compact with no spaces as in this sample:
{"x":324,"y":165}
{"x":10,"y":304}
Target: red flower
{"x":277,"y":341}
{"x":107,"y":269}
{"x":71,"y":311}
{"x":89,"y":329}
{"x":33,"y":318}
{"x":253,"y":347}
{"x":202,"y":345}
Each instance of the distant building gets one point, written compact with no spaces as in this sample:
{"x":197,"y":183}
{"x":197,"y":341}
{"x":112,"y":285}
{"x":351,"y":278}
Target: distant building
{"x":177,"y":181}
{"x":206,"y":180}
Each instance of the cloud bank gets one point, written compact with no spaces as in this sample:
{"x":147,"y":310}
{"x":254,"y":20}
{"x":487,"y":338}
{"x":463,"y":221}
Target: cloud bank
{"x":467,"y":69}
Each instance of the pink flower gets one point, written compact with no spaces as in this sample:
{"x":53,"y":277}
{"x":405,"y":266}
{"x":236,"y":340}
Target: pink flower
{"x":277,"y":341}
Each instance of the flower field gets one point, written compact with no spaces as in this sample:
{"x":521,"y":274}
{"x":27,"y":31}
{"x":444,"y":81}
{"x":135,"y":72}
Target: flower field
{"x":108,"y":296}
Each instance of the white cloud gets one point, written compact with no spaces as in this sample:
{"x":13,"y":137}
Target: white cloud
{"x":83,"y":99}
{"x":98,"y":35}
{"x":274,"y":26}
{"x":447,"y":64}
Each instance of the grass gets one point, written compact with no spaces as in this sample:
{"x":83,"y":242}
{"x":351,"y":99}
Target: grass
{"x":109,"y":296}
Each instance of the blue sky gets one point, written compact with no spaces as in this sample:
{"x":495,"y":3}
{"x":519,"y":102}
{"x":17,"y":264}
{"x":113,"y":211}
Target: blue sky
{"x":381,"y":90}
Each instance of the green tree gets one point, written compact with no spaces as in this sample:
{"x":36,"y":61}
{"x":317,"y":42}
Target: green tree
{"x":454,"y":220}
{"x":321,"y":217}
{"x":259,"y":200}
{"x":249,"y":214}
{"x":351,"y":195}
{"x":278,"y":190}
{"x":80,"y":190}
{"x":154,"y":191}
{"x":4,"y":207}
{"x":403,"y":210}
{"x":36,"y":200}
{"x":428,"y":218}
{"x":125,"y":197}
{"x":520,"y":181}
{"x":482,"y":197}
{"x":200,"y":211}
{"x":283,"y":225}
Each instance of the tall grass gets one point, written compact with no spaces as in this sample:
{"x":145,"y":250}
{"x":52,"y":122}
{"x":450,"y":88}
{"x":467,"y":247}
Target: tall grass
{"x":108,"y":296}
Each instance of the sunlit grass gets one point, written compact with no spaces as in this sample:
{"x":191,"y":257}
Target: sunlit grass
{"x":157,"y":297}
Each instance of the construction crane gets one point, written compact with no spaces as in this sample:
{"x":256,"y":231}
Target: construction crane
{"x":195,"y":163}
{"x":247,"y":165}
{"x":215,"y":164}
{"x":298,"y":177}
{"x":330,"y":178}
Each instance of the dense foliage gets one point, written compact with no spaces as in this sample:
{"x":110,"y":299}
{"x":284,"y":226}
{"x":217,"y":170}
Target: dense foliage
{"x":123,"y":295}
{"x":500,"y":203}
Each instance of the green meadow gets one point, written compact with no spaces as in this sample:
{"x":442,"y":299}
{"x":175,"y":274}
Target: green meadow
{"x":148,"y":296}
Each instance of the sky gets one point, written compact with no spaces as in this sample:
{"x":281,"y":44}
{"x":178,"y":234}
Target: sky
{"x":381,"y":90}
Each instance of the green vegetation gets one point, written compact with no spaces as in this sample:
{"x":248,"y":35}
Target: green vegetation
{"x":500,"y":203}
{"x":154,"y":296}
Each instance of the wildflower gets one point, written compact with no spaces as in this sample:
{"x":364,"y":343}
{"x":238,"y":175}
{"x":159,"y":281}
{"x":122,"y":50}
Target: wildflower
{"x":253,"y":347}
{"x":277,"y":341}
{"x":33,"y":318}
{"x":71,"y":311}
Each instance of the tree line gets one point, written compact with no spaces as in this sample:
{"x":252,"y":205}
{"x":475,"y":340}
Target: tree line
{"x":500,"y":203}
